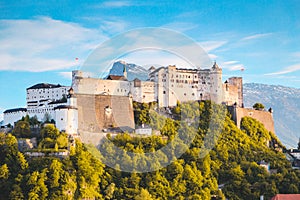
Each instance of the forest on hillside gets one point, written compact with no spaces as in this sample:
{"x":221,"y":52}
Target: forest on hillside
{"x":230,"y":170}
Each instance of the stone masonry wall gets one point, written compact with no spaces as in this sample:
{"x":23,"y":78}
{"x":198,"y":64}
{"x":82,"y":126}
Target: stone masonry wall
{"x":92,"y":112}
{"x":265,"y":117}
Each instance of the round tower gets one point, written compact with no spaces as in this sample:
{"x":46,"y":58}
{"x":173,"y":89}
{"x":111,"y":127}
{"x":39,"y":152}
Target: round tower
{"x":216,"y":83}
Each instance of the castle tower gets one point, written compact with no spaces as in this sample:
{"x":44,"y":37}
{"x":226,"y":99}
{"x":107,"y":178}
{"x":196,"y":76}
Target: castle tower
{"x":216,"y":88}
{"x":66,"y":116}
{"x":76,"y":76}
{"x":238,"y":82}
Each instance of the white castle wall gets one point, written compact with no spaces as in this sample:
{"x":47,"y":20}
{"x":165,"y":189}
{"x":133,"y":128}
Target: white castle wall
{"x":12,"y":117}
{"x":143,"y":91}
{"x":167,"y":85}
{"x":43,"y":96}
{"x":100,"y":86}
{"x":66,"y":119}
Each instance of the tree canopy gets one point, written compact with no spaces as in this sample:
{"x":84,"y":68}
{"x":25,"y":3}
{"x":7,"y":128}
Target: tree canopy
{"x":230,"y":170}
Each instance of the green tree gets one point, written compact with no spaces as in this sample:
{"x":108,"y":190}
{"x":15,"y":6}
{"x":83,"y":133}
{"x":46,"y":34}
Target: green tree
{"x":22,"y":129}
{"x":258,"y":106}
{"x":49,"y":131}
{"x":144,"y":195}
{"x":34,"y":121}
{"x":4,"y":173}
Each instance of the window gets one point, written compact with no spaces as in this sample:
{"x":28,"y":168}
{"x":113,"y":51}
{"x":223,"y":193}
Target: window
{"x":164,"y":92}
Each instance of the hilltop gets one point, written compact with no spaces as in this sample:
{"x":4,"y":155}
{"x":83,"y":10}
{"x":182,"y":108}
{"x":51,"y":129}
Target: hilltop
{"x":236,"y":168}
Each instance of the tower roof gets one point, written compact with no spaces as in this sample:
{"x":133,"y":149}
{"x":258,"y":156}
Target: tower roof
{"x":215,"y":66}
{"x":44,"y":85}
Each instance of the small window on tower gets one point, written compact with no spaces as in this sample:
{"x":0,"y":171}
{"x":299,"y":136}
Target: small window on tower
{"x":164,"y":92}
{"x":62,"y":119}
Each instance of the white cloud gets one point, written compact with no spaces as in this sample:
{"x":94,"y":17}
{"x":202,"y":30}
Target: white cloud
{"x":256,"y":36}
{"x":212,"y":45}
{"x":113,"y":26}
{"x":116,"y":4}
{"x":296,"y":54}
{"x":66,"y":75}
{"x":212,"y":56}
{"x":286,"y":70}
{"x":232,"y":65}
{"x":43,"y":44}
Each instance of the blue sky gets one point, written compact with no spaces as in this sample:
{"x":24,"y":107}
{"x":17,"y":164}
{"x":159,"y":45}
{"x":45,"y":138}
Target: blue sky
{"x":39,"y":40}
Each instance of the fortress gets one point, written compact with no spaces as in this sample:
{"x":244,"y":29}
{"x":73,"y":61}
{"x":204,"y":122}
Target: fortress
{"x":95,"y":104}
{"x":166,"y":86}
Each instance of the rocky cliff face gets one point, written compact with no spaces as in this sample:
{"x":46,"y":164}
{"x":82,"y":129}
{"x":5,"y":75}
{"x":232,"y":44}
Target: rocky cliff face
{"x":133,"y":70}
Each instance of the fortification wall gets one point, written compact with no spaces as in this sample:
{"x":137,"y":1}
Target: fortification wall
{"x":98,"y":112}
{"x":265,"y":117}
{"x":230,"y":94}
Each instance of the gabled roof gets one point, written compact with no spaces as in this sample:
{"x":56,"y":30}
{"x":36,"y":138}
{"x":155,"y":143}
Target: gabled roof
{"x":286,"y":197}
{"x":44,"y":85}
{"x":15,"y":110}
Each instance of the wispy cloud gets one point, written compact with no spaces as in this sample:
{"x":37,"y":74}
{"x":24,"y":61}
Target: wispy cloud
{"x":113,"y":26}
{"x":116,"y":4}
{"x":232,"y":65}
{"x":43,"y":44}
{"x":286,"y":70}
{"x":256,"y":36}
{"x":66,"y":75}
{"x":209,"y":46}
{"x":296,"y":54}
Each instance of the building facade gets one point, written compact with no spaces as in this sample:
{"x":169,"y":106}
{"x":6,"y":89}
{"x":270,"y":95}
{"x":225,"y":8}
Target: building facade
{"x":69,"y":106}
{"x":166,"y":86}
{"x":41,"y":101}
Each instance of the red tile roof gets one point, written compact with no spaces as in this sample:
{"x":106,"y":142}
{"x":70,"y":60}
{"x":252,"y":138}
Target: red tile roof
{"x":286,"y":197}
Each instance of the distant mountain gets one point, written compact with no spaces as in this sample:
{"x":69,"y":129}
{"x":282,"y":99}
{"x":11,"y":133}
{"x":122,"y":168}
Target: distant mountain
{"x":285,"y":102}
{"x":133,"y":70}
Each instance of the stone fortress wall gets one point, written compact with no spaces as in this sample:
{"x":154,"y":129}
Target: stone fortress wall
{"x":263,"y":116}
{"x":99,"y":112}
